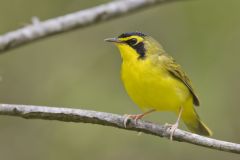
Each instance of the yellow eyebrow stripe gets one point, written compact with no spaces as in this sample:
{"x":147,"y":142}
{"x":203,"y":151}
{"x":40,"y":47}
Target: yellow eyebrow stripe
{"x":139,"y":39}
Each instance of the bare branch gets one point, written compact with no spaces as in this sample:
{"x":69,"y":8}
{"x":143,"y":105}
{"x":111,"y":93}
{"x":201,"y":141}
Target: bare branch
{"x":109,"y":119}
{"x":83,"y":18}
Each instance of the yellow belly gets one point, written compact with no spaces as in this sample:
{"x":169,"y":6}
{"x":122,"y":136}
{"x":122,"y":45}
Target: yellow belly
{"x":152,"y":87}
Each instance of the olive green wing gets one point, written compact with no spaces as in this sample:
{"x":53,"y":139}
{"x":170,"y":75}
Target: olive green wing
{"x":177,"y":71}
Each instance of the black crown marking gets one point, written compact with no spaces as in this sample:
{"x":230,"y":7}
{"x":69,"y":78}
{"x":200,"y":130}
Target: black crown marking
{"x":128,"y":34}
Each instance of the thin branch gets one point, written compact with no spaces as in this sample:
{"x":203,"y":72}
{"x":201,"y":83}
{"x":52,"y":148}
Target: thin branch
{"x":68,"y":22}
{"x":109,"y":119}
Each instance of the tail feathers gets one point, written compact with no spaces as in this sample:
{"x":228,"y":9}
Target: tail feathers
{"x":199,"y":127}
{"x":194,"y":124}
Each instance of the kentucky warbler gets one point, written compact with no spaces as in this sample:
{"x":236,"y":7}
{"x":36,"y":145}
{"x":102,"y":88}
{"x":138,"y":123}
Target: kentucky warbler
{"x":155,"y":82}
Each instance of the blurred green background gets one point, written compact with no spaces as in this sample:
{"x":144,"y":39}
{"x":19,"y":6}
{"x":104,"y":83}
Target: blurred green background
{"x":78,"y":69}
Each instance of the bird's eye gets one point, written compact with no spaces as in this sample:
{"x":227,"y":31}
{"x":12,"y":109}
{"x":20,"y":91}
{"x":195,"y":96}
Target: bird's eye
{"x":132,"y":42}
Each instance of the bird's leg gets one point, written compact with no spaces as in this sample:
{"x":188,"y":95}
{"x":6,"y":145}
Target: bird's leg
{"x":136,"y":117}
{"x":173,"y":127}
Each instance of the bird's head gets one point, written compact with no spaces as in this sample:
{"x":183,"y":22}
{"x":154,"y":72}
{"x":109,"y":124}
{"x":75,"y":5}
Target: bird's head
{"x":136,"y":45}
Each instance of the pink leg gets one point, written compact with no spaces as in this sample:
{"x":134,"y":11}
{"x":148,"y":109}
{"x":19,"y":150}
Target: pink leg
{"x":173,"y":127}
{"x":136,"y":116}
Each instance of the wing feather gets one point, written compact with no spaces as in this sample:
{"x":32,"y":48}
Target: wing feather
{"x":177,"y":71}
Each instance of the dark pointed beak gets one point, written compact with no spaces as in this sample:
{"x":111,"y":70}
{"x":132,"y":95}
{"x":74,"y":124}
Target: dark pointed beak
{"x":115,"y":40}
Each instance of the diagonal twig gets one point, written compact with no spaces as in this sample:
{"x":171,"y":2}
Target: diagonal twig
{"x":109,"y":119}
{"x":83,"y":18}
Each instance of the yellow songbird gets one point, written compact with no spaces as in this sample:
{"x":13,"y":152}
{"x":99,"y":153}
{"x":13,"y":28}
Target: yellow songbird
{"x":155,"y":82}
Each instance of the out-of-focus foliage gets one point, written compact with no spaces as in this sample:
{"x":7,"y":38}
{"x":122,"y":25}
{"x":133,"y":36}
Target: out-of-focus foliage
{"x":78,"y":69}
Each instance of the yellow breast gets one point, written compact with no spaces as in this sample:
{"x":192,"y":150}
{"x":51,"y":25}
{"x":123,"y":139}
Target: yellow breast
{"x":152,"y":87}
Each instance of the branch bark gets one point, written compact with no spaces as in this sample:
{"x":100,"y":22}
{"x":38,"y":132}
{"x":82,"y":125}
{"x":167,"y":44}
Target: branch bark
{"x":114,"y":120}
{"x":68,"y":22}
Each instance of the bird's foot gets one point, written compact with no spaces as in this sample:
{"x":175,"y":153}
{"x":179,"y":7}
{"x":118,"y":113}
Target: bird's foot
{"x":135,"y":117}
{"x":171,"y":128}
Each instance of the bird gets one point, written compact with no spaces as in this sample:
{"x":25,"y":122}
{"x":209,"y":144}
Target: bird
{"x":155,"y":82}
